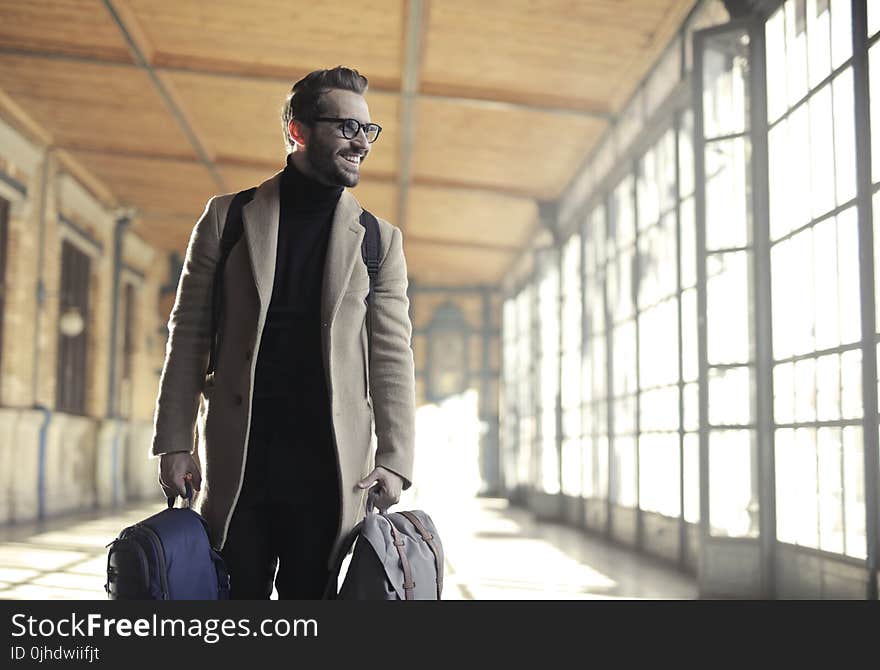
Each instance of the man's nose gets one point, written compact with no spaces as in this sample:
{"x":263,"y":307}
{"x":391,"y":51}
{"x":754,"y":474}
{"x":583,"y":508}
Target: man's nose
{"x":360,"y":140}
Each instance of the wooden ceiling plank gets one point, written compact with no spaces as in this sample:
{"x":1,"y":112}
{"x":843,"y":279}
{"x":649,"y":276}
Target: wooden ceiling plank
{"x":173,"y":106}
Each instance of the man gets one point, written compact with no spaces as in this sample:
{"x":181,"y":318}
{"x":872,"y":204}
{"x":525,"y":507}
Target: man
{"x":284,"y":424}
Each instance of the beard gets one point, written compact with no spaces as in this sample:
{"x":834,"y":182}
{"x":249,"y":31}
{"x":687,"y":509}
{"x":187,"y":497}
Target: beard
{"x":329,"y":166}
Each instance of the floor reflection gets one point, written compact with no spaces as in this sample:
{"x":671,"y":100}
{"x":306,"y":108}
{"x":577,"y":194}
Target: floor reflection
{"x":494,"y":552}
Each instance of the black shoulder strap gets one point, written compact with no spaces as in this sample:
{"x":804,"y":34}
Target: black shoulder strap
{"x":232,"y":231}
{"x":370,"y":249}
{"x":371,"y":252}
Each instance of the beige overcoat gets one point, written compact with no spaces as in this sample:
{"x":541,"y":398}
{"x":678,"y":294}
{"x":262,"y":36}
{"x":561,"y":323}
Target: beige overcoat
{"x":212,"y":416}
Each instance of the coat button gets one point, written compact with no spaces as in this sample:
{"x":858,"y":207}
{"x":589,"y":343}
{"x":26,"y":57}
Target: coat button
{"x":238,"y":399}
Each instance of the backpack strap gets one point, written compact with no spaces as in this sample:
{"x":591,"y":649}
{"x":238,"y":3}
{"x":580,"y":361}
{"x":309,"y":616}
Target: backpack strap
{"x":370,"y":251}
{"x":429,"y":539}
{"x":232,"y":232}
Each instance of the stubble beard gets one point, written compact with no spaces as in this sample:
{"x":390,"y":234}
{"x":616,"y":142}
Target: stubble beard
{"x":324,"y":162}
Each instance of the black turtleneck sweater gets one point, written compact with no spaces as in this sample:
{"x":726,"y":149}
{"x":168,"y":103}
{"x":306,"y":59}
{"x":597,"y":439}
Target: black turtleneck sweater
{"x":291,"y":344}
{"x":291,"y":404}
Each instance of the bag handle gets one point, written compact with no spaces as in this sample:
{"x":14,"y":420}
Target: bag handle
{"x":189,"y":493}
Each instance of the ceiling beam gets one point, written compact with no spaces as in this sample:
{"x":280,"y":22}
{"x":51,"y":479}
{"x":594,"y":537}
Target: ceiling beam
{"x":409,"y":86}
{"x":142,"y":52}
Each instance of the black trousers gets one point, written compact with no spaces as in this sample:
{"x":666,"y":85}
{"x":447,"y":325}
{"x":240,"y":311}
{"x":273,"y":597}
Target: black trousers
{"x":287,"y":514}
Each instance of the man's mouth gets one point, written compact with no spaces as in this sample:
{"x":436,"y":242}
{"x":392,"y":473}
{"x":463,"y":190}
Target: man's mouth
{"x":354,"y":159}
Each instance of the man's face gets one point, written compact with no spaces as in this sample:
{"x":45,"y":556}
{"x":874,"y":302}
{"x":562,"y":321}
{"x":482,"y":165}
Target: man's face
{"x":334,"y":160}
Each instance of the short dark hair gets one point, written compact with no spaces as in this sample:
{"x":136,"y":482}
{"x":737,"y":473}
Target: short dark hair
{"x":303,"y":101}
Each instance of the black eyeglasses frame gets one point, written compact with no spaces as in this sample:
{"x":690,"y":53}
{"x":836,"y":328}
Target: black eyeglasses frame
{"x":361,"y":126}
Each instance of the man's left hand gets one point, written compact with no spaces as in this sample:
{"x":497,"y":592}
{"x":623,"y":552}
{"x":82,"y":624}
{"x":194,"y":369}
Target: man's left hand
{"x":387,"y":493}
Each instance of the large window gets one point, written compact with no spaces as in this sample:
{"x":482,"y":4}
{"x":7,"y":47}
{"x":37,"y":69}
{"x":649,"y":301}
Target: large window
{"x":72,"y":345}
{"x":525,"y":395}
{"x":507,"y":406}
{"x":548,"y":369}
{"x":624,"y":385}
{"x":657,"y":302}
{"x":817,"y":364}
{"x":594,"y":371}
{"x":729,"y":376}
{"x":572,"y":469}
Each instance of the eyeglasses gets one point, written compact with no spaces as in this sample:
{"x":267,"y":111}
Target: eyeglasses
{"x":351,"y":127}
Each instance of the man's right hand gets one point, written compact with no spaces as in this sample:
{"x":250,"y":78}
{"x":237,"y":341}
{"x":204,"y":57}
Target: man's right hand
{"x":173,"y":468}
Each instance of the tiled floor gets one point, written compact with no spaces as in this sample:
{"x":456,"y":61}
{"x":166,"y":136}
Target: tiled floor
{"x":493,"y":552}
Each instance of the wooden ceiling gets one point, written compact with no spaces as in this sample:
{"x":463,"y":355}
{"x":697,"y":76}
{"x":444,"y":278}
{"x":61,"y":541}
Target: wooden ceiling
{"x":487,"y":107}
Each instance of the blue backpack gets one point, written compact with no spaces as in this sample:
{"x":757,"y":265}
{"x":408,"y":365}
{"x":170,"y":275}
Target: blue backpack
{"x":167,"y":556}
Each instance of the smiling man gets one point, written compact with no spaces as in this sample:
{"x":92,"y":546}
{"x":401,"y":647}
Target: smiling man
{"x":284,"y":458}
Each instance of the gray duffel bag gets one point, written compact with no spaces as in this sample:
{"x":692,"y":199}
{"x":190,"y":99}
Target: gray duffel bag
{"x":397,"y":556}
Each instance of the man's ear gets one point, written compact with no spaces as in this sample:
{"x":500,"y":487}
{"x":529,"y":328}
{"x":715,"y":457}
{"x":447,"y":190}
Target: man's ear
{"x":299,"y":134}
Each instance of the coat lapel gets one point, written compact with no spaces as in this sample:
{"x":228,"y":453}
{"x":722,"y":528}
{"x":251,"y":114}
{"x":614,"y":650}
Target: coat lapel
{"x":343,"y":249}
{"x":260,"y":220}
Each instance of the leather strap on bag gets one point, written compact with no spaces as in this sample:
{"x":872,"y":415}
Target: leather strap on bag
{"x":429,"y":539}
{"x":408,"y":584}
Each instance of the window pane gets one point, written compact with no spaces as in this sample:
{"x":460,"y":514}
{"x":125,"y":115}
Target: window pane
{"x":854,"y":494}
{"x":848,"y":282}
{"x":851,"y":384}
{"x":844,"y":137}
{"x":691,"y":407}
{"x":819,"y":40}
{"x":874,"y":83}
{"x":588,"y":474}
{"x":729,"y":396}
{"x":549,"y":455}
{"x":791,"y":271}
{"x":686,"y":154}
{"x":828,"y":388}
{"x":602,"y":488}
{"x":727,"y":308}
{"x":789,"y":172}
{"x":659,"y":409}
{"x":690,"y":363}
{"x":624,"y":468}
{"x":830,"y":490}
{"x":621,"y":218}
{"x":658,"y":345}
{"x":727,"y":197}
{"x":795,"y":51}
{"x":775,"y":37}
{"x":624,"y":359}
{"x":733,"y":511}
{"x":571,"y":467}
{"x":725,"y":84}
{"x":787,"y":508}
{"x":825,"y":288}
{"x":659,"y":473}
{"x":691,"y":478}
{"x":657,"y":262}
{"x":873,"y":17}
{"x":805,"y":390}
{"x":821,"y":152}
{"x":783,"y":393}
{"x":841,"y":31}
{"x":688,"y":244}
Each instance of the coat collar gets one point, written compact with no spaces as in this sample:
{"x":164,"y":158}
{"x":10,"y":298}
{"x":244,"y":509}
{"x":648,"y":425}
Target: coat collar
{"x":260,"y":221}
